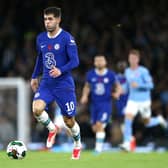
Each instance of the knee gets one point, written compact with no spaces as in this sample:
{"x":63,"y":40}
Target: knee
{"x":38,"y":108}
{"x":69,"y":122}
{"x":37,"y":111}
{"x":94,"y":128}
{"x":99,"y":127}
{"x":129,"y":116}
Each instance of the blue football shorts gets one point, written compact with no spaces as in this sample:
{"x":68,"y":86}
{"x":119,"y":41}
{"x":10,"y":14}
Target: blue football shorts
{"x":65,"y":98}
{"x":101,"y":112}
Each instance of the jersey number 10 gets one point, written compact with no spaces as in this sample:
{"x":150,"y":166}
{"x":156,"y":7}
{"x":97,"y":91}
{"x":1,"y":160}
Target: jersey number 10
{"x":70,"y":106}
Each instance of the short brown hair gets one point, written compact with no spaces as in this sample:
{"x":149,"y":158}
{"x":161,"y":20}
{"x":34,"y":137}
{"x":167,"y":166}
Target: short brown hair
{"x":135,"y":52}
{"x":56,"y":11}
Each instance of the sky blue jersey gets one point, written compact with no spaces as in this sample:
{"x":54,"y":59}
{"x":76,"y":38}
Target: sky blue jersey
{"x":144,"y":80}
{"x":101,"y":85}
{"x":59,"y":51}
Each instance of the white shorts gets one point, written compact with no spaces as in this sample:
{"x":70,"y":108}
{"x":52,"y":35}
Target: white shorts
{"x":144,"y":108}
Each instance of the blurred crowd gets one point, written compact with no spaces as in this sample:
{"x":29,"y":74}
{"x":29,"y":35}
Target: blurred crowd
{"x":108,"y":27}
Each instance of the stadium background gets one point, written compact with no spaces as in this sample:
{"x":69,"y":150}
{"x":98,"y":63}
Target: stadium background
{"x":94,"y":25}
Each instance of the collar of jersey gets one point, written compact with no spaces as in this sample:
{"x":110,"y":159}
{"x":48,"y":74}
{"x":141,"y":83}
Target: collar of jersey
{"x":51,"y":37}
{"x":105,"y":71}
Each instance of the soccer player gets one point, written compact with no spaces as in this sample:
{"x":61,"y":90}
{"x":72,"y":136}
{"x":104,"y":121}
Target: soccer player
{"x":100,"y":83}
{"x":139,"y":84}
{"x":121,"y":102}
{"x":57,"y":56}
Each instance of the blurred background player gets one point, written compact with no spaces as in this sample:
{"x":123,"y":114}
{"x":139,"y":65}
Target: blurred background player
{"x":139,"y":85}
{"x":121,"y":102}
{"x":100,"y":82}
{"x":57,"y":56}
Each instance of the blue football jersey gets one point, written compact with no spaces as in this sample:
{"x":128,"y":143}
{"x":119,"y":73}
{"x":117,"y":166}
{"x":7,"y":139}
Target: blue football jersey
{"x":59,"y":51}
{"x":101,"y":85}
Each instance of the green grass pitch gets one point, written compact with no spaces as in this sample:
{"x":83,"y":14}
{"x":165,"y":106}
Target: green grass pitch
{"x":88,"y":160}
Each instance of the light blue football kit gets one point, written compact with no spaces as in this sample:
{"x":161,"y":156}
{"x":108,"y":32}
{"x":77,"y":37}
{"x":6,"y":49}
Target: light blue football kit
{"x":139,"y":99}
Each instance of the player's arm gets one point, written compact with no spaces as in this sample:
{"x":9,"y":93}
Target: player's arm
{"x":85,"y":93}
{"x":118,"y":91}
{"x":72,"y":53}
{"x":37,"y":70}
{"x":146,"y":82}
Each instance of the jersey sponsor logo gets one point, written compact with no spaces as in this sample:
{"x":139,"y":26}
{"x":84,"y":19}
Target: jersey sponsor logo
{"x":57,"y":46}
{"x":37,"y":95}
{"x":50,"y":60}
{"x":99,"y":89}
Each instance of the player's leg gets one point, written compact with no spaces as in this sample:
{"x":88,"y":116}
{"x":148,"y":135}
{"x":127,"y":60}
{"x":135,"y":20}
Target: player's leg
{"x":100,"y":136}
{"x":127,"y":132}
{"x":120,"y":107}
{"x":41,"y":98}
{"x":67,"y":102}
{"x":97,"y":128}
{"x":151,"y":121}
{"x":101,"y":116}
{"x":74,"y":130}
{"x":128,"y":139}
{"x":154,"y":121}
{"x":42,"y":116}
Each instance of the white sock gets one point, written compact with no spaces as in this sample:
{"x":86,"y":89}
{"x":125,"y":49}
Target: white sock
{"x":75,"y":132}
{"x":46,"y":121}
{"x":100,"y":136}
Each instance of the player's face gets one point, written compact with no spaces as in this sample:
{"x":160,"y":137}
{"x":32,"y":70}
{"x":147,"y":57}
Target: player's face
{"x":121,"y":66}
{"x":100,"y":62}
{"x":51,"y":22}
{"x":133,"y":59}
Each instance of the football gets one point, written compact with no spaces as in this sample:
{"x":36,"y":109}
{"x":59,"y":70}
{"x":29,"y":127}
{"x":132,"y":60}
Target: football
{"x":16,"y":150}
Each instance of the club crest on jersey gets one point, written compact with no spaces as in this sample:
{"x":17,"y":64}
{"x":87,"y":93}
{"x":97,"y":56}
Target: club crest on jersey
{"x":106,"y":80}
{"x":57,"y":46}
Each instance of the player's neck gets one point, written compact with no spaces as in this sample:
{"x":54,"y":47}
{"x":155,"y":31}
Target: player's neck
{"x":101,"y":71}
{"x":54,"y":33}
{"x":133,"y":67}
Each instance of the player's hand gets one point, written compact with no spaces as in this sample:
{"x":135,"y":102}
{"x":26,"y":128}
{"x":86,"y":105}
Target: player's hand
{"x":117,"y":92}
{"x":116,"y":95}
{"x":34,"y":84}
{"x":134,"y":84}
{"x":55,"y":72}
{"x":84,"y":100}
